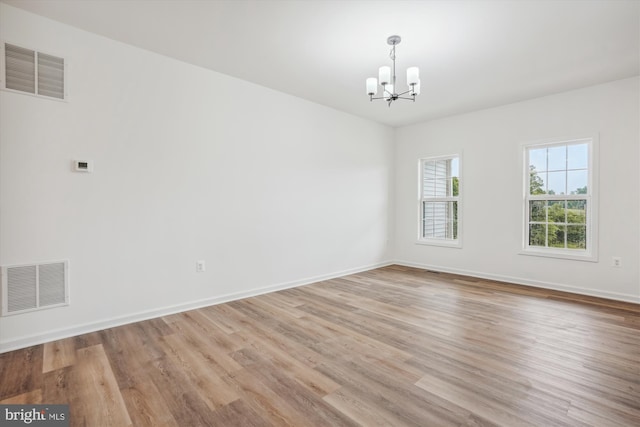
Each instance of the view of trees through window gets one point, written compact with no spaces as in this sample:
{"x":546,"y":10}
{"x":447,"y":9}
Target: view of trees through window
{"x":558,"y":196}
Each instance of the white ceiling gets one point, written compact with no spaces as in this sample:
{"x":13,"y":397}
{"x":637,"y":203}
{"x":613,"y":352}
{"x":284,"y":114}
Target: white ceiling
{"x":471,"y":54}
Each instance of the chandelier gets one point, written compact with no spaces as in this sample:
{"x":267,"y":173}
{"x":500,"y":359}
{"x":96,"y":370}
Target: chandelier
{"x":388,"y":80}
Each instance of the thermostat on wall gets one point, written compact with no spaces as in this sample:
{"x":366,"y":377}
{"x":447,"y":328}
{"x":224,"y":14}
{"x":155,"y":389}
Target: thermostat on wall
{"x":83,"y":165}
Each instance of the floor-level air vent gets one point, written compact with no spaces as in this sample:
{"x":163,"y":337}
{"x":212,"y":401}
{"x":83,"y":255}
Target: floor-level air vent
{"x":34,"y":287}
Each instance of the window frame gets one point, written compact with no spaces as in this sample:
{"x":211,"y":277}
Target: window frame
{"x":590,"y":253}
{"x":431,"y":241}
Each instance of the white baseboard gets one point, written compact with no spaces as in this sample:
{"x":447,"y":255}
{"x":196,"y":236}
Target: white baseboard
{"x":521,"y":281}
{"x":57,"y":334}
{"x":178,"y":308}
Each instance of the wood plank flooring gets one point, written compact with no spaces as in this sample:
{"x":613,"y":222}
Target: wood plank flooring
{"x":395,"y":346}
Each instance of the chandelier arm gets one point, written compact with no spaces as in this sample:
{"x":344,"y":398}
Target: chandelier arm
{"x":410,"y":99}
{"x":405,"y":92}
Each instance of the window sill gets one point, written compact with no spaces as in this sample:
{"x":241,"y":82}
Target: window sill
{"x":588,"y":257}
{"x":440,"y":242}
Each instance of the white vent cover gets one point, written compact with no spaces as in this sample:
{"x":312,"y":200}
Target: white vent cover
{"x":33,"y":72}
{"x":34,"y":287}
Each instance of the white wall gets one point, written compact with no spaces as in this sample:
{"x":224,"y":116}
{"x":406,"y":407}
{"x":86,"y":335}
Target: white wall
{"x":490,"y":141}
{"x":269,"y":189}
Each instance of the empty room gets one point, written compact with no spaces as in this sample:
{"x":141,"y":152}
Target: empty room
{"x":320,"y":213}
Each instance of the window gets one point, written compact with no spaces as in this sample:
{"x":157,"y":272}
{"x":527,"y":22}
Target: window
{"x":560,"y":199}
{"x":37,"y":73}
{"x":440,"y":201}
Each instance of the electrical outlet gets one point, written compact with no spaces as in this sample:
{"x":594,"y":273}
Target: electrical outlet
{"x":616,"y":261}
{"x":200,"y":266}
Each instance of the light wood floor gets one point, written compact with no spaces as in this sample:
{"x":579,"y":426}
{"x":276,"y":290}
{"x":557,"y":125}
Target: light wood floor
{"x":394,"y":346}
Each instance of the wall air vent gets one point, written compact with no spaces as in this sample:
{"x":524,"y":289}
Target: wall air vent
{"x":29,"y":71}
{"x":34,"y":287}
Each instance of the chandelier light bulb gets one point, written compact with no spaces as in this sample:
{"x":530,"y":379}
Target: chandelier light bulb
{"x":413,"y":75}
{"x":384,"y":75}
{"x":416,"y":88}
{"x":372,"y":86}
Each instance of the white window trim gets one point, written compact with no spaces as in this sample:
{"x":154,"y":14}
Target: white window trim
{"x":457,"y":243}
{"x":591,"y":252}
